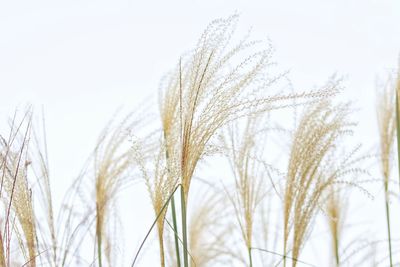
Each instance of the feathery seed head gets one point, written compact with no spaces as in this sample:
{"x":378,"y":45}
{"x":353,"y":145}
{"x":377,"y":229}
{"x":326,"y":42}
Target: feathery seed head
{"x":311,"y":169}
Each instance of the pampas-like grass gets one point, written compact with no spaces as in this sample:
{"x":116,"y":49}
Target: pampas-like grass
{"x":310,"y":170}
{"x":214,"y":87}
{"x":335,"y":211}
{"x":398,"y":118}
{"x":208,"y":89}
{"x":113,"y":162}
{"x":386,"y":112}
{"x":113,"y":159}
{"x":40,"y":168}
{"x":208,"y":234}
{"x":16,"y":192}
{"x":246,"y":151}
{"x":161,"y":184}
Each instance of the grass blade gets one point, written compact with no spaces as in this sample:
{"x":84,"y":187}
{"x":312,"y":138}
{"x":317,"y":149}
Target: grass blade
{"x":154,"y":223}
{"x":175,"y":227}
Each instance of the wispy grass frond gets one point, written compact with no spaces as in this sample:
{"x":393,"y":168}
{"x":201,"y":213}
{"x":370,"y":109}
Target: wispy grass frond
{"x":245,"y":156}
{"x":160,"y":181}
{"x":208,"y":233}
{"x":47,"y":240}
{"x":217,"y":103}
{"x":17,"y":193}
{"x":386,"y":113}
{"x":106,"y":172}
{"x":336,"y":210}
{"x":112,"y":163}
{"x":211,"y":86}
{"x":398,"y":119}
{"x":311,"y":169}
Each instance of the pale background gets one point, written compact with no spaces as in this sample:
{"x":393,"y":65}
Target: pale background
{"x":81,"y":60}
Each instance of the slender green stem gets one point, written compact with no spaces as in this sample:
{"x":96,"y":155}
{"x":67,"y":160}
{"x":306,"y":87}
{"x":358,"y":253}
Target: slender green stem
{"x":388,"y":229}
{"x":184,"y":230}
{"x":178,"y":259}
{"x":284,"y":252}
{"x":162,"y":250}
{"x":175,"y":227}
{"x":99,"y":250}
{"x":250,"y":258}
{"x":398,"y":131}
{"x":98,"y":233}
{"x":180,"y":240}
{"x":337,"y":250}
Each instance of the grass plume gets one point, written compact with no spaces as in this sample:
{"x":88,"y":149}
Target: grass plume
{"x":208,"y":89}
{"x":310,"y":171}
{"x":17,"y":193}
{"x":335,"y":211}
{"x":386,"y":113}
{"x":207,"y":231}
{"x":218,"y":103}
{"x":250,"y":173}
{"x":113,"y":160}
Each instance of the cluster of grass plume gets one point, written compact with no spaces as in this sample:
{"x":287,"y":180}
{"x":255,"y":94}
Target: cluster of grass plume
{"x":313,"y":170}
{"x":26,"y":197}
{"x":207,"y":90}
{"x":217,"y":101}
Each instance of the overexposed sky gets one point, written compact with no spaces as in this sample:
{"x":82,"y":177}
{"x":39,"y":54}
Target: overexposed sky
{"x":81,"y":60}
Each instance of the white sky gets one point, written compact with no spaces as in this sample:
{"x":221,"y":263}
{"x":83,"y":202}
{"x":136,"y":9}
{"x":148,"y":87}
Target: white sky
{"x":82,"y":60}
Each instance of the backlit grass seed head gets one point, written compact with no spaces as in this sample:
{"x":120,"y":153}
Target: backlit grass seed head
{"x":310,"y":169}
{"x":40,"y":169}
{"x":248,"y":167}
{"x":207,"y":234}
{"x":336,"y":206}
{"x":23,"y":207}
{"x":159,"y":173}
{"x":386,"y":114}
{"x":112,"y":161}
{"x":17,"y":193}
{"x":212,"y":86}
